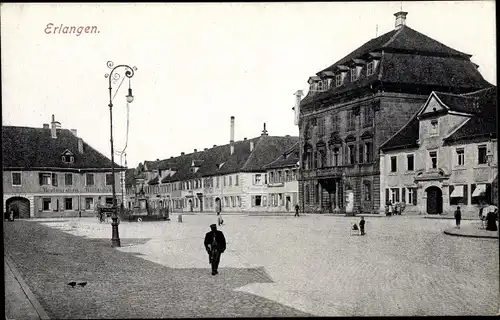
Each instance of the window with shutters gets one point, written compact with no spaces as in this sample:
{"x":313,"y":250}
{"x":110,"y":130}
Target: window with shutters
{"x":387,"y":196}
{"x":258,"y":201}
{"x":54,"y":179}
{"x":351,"y":154}
{"x":236,"y":182}
{"x":338,"y":80}
{"x":45,"y":178}
{"x":395,"y":195}
{"x":16,"y":178}
{"x":370,"y":68}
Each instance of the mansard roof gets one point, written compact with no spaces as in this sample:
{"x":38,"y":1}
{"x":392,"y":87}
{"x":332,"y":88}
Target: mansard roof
{"x":27,"y":148}
{"x":408,"y":60}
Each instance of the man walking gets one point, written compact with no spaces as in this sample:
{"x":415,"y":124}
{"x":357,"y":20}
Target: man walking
{"x":296,"y":210}
{"x":215,"y":244}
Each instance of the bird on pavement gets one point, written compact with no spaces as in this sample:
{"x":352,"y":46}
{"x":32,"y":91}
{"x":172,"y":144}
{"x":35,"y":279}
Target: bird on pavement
{"x":82,"y":284}
{"x":72,"y":284}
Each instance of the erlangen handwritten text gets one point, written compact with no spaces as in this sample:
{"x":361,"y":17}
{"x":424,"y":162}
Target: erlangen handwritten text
{"x":51,"y":28}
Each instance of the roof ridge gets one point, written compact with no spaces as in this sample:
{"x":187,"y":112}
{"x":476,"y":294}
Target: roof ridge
{"x":393,"y":37}
{"x":252,"y":153}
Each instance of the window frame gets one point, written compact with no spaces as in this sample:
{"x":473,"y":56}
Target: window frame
{"x":20,"y":178}
{"x":338,"y":80}
{"x":434,"y":131}
{"x":481,"y":147}
{"x":70,"y":201}
{"x":395,"y":163}
{"x":49,"y":201}
{"x":460,"y":153}
{"x":431,"y":157}
{"x":408,"y":157}
{"x":370,"y":68}
{"x":87,"y":175}
{"x":70,"y":176}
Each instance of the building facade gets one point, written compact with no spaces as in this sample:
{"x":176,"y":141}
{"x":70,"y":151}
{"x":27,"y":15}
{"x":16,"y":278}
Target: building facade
{"x":356,"y":104}
{"x":445,"y":156}
{"x":51,"y":172}
{"x":282,"y":182}
{"x":232,"y":177}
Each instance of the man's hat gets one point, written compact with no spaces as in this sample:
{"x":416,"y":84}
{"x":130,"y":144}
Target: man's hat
{"x":213,"y":226}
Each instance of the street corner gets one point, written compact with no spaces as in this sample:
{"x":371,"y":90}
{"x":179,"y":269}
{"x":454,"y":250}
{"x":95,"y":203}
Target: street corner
{"x":474,"y":230}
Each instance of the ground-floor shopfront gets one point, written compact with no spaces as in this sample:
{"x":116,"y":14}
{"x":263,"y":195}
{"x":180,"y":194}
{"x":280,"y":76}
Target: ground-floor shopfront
{"x":54,"y":205}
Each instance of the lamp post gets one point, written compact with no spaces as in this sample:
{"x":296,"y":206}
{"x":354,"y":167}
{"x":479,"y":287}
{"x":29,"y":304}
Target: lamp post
{"x":129,"y":73}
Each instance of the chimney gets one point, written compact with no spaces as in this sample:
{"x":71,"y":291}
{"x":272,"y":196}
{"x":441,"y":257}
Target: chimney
{"x":251,"y":146}
{"x":171,"y":157}
{"x":195,"y":150}
{"x":264,"y":132}
{"x":46,"y":126}
{"x":214,"y":146}
{"x":80,"y":145}
{"x":182,"y":153}
{"x":73,"y":131}
{"x":231,"y":139}
{"x":400,"y":19}
{"x":244,"y":139}
{"x":205,"y":149}
{"x":298,"y":96}
{"x":53,"y":127}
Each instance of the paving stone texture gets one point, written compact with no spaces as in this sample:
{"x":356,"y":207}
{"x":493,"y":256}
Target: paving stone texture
{"x":273,"y":266}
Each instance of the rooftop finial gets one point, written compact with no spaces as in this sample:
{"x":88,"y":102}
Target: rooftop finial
{"x":264,"y":132}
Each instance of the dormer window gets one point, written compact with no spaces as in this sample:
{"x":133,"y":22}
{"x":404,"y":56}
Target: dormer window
{"x":370,"y":68}
{"x":67,"y":157}
{"x":354,"y":74}
{"x":338,"y":80}
{"x":320,"y":86}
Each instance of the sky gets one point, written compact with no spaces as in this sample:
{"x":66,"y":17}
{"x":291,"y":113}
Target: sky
{"x":199,"y":64}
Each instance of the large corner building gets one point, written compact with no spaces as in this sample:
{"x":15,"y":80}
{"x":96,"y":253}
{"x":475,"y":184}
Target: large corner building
{"x":359,"y":102}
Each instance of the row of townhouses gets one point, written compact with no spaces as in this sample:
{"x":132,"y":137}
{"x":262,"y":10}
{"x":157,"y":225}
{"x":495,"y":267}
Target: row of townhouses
{"x":258,"y":174}
{"x":51,"y":172}
{"x":361,"y":101}
{"x":401,"y":119}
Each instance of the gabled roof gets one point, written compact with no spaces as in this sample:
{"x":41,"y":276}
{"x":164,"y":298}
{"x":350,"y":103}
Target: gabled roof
{"x":266,"y":149}
{"x":485,"y":120}
{"x":482,"y":122}
{"x":288,"y":159}
{"x":407,"y":58}
{"x":30,"y":148}
{"x":459,"y":103}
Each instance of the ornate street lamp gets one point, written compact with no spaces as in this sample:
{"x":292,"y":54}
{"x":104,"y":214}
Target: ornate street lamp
{"x":129,"y":73}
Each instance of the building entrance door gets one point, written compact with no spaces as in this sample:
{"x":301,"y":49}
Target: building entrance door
{"x":434,"y":200}
{"x":287,"y":204}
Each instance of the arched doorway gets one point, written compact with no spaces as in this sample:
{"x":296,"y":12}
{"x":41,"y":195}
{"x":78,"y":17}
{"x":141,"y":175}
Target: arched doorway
{"x":21,"y":207}
{"x":190,"y":202}
{"x":218,"y":207}
{"x":434,"y":200}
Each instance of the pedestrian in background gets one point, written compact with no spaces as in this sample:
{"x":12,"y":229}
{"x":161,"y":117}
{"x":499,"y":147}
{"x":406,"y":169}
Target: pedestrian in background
{"x":362,"y":226}
{"x":296,"y":210}
{"x":220,"y":221}
{"x":215,"y":244}
{"x":458,"y":217}
{"x":390,"y":208}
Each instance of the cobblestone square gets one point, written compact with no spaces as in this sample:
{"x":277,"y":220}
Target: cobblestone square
{"x":403,"y":266}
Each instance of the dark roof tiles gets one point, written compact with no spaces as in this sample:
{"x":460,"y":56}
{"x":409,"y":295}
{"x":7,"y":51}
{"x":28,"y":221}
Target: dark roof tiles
{"x":27,"y":147}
